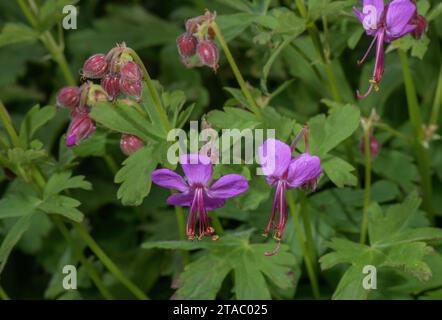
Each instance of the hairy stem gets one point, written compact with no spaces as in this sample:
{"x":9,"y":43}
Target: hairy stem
{"x":309,"y":265}
{"x":308,"y":230}
{"x":421,"y":153}
{"x":245,"y":90}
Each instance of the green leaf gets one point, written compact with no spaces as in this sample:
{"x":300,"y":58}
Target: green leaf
{"x":35,"y":119}
{"x":233,"y":25}
{"x":12,"y":237}
{"x":123,"y":118}
{"x":288,"y":23}
{"x":252,"y":270}
{"x":17,"y":205}
{"x":15,"y":33}
{"x":383,"y":227}
{"x":409,"y":258}
{"x":232,"y":118}
{"x":339,"y":172}
{"x":202,"y":279}
{"x":64,"y":206}
{"x":94,"y":146}
{"x":135,"y":177}
{"x":327,"y":133}
{"x":63,"y":181}
{"x":350,"y":286}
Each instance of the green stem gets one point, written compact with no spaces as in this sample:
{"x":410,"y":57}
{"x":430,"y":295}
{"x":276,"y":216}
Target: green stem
{"x":437,"y":100}
{"x":367,"y":187}
{"x":301,"y":239}
{"x":7,"y":123}
{"x":112,"y":165}
{"x":245,"y":90}
{"x":110,"y":265}
{"x":310,"y":244}
{"x":152,"y":90}
{"x":3,"y":294}
{"x":84,"y":261}
{"x":316,"y":39}
{"x":421,"y":152}
{"x":393,"y":131}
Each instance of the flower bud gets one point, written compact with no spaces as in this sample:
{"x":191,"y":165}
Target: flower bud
{"x":130,"y":144}
{"x":374,"y":146}
{"x":208,"y":53}
{"x":130,"y":72}
{"x":81,"y":127}
{"x":421,"y":26}
{"x":95,"y":66}
{"x":111,"y":84}
{"x":186,"y":44}
{"x":132,"y":89}
{"x":69,"y":97}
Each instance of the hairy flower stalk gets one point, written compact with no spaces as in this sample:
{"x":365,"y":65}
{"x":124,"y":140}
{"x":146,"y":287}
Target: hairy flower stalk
{"x":198,"y":192}
{"x":384,"y":24}
{"x":285,"y":172}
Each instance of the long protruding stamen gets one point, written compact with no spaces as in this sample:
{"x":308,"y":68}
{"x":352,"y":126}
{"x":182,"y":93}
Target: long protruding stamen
{"x":275,"y":251}
{"x":378,"y":67}
{"x":272,"y":215}
{"x":370,"y":90}
{"x":191,"y":218}
{"x":368,"y":51}
{"x":282,"y":207}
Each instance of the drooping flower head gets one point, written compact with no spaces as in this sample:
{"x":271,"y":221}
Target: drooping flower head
{"x":384,"y":24}
{"x":196,"y":46}
{"x":197,"y":191}
{"x":285,"y":172}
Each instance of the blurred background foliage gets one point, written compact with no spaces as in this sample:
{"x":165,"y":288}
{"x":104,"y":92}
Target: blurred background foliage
{"x":28,"y":76}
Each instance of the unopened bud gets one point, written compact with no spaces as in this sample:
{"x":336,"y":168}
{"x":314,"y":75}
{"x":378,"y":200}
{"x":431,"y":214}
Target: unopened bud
{"x":69,"y":97}
{"x":95,"y":66}
{"x":186,"y":44}
{"x":208,"y":53}
{"x":130,"y":144}
{"x":81,"y":127}
{"x":111,"y":84}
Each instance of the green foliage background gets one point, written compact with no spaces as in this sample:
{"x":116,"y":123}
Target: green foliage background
{"x":130,"y":219}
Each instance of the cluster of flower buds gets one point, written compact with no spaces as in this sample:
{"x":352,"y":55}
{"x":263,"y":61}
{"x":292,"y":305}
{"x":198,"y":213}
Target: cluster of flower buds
{"x":79,"y":101}
{"x":196,"y":46}
{"x":118,"y":73}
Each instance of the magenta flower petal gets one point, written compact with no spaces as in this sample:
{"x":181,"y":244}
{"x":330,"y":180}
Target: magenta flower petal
{"x":213,"y":203}
{"x":398,"y":17}
{"x":181,"y":199}
{"x":197,"y":168}
{"x":168,"y":179}
{"x":371,"y":15}
{"x":228,"y":186}
{"x":302,"y":169}
{"x":274,"y":157}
